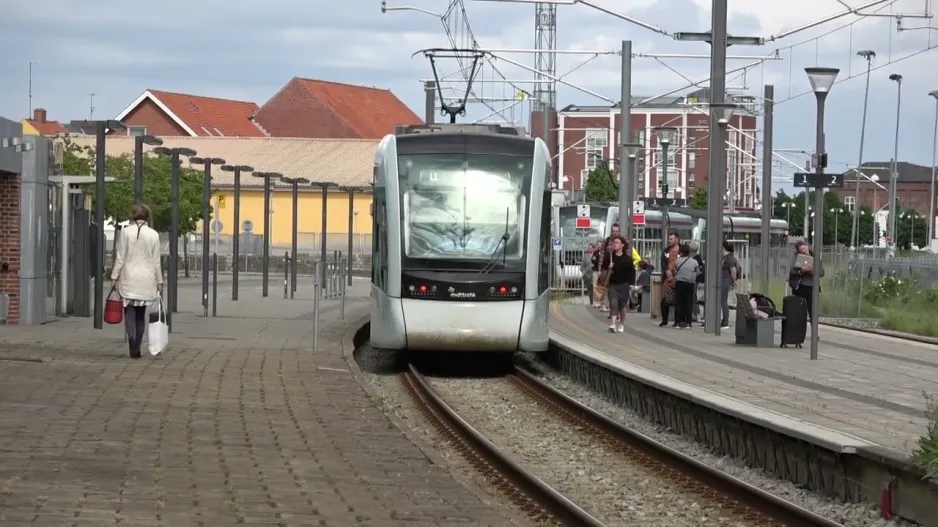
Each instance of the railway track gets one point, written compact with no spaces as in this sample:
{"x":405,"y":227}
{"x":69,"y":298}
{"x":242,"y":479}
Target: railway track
{"x":744,"y":503}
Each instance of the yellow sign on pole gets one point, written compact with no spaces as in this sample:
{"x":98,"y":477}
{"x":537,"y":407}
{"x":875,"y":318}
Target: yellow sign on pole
{"x":221,"y":201}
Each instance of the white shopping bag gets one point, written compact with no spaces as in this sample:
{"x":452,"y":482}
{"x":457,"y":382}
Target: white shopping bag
{"x":158,"y":330}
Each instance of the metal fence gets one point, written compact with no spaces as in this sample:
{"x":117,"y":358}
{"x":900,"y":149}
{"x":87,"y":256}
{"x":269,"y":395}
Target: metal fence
{"x":253,"y":244}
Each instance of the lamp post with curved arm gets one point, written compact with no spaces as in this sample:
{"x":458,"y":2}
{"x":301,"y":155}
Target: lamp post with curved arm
{"x":894,"y":169}
{"x":869,"y":55}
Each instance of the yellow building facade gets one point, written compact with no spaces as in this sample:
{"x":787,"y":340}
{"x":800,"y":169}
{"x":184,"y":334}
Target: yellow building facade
{"x":309,"y":220}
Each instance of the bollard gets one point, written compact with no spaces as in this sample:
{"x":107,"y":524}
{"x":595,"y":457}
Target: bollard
{"x":214,"y":284}
{"x":286,"y":272}
{"x":316,"y":288}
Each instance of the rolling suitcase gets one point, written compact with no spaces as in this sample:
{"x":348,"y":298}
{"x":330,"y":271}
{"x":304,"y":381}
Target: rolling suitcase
{"x":795,"y":323}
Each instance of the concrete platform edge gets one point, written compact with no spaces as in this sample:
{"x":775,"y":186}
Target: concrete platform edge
{"x":835,"y":464}
{"x":781,"y":423}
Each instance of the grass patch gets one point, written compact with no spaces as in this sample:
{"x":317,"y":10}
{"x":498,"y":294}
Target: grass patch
{"x":925,"y":454}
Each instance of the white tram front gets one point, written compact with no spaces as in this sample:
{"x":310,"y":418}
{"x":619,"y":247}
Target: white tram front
{"x":462,"y":242}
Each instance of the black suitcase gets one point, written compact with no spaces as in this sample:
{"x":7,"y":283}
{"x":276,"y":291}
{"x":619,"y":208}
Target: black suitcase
{"x":795,"y":323}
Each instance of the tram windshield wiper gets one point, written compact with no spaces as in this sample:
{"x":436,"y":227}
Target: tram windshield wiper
{"x":502,"y":244}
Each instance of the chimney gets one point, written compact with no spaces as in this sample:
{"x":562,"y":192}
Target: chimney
{"x":39,"y":115}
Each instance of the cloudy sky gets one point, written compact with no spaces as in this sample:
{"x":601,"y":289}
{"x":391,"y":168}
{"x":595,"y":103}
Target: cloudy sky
{"x":247,"y":50}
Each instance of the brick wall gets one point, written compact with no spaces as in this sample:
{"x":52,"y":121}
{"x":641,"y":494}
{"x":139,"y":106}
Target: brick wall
{"x":10,"y":242}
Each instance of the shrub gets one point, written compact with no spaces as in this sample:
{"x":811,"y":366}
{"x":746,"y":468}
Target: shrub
{"x":925,"y":455}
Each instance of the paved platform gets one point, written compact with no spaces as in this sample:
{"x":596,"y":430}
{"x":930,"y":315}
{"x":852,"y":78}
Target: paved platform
{"x":866,"y":387}
{"x":240,"y":422}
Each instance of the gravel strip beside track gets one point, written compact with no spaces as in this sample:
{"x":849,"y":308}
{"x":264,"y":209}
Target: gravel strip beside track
{"x":616,"y":489}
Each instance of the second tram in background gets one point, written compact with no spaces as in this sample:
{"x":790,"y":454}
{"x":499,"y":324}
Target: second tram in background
{"x":462,"y":244}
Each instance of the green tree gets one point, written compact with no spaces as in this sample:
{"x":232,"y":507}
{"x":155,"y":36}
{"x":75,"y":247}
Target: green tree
{"x":911,"y":229}
{"x":601,"y":184}
{"x":699,"y":200}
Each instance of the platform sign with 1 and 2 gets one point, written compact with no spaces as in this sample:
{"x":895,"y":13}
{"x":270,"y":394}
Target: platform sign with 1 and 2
{"x":638,"y":213}
{"x":583,"y":220}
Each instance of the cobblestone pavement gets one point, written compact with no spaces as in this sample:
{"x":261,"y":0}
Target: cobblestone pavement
{"x":239,"y":423}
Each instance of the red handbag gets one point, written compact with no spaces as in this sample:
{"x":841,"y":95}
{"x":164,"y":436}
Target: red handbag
{"x":113,"y":308}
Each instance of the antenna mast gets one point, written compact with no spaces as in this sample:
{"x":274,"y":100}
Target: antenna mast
{"x":91,"y":106}
{"x":545,"y":42}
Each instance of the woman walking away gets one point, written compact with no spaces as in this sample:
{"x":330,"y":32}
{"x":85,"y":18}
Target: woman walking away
{"x":685,"y":287}
{"x":137,"y":275}
{"x":803,"y":274}
{"x":621,"y":278}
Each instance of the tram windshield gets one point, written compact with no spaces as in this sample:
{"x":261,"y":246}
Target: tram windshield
{"x":464,"y":211}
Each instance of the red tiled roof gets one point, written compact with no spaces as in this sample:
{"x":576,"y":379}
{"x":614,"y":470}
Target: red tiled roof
{"x":210,"y":115}
{"x":372,"y":112}
{"x":47,"y":127}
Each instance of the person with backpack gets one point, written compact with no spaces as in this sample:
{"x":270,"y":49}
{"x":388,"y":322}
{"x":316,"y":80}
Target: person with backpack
{"x":620,"y":280}
{"x":729,"y":275}
{"x":686,"y":269}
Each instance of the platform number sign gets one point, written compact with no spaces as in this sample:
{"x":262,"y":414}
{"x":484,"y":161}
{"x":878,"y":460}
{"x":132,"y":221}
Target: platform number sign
{"x":583,"y":220}
{"x":814,"y":180}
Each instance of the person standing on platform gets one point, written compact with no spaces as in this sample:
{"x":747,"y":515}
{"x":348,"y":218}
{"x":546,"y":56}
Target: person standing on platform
{"x":686,"y":270}
{"x":604,"y":261}
{"x":729,"y":274}
{"x":586,"y":272}
{"x":621,"y":279}
{"x":801,"y":278}
{"x":668,"y":277}
{"x":700,"y":285}
{"x":137,"y":275}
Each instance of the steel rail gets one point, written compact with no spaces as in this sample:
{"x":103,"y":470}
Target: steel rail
{"x":538,"y":499}
{"x":768,"y":508}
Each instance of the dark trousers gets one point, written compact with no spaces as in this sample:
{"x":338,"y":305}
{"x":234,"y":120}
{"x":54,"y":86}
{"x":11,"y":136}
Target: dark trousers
{"x":135,"y":318}
{"x":684,"y":293}
{"x":807,"y":293}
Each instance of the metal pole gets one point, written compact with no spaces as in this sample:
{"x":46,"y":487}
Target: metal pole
{"x":215,"y":284}
{"x":895,"y":170}
{"x":805,"y":224}
{"x":174,"y":234}
{"x":768,"y":122}
{"x":206,"y":193}
{"x":286,"y":273}
{"x":342,"y":291}
{"x":98,"y":259}
{"x":324,"y":229}
{"x":265,"y":265}
{"x":931,"y":190}
{"x":138,"y":169}
{"x":716,"y":181}
{"x":430,"y":104}
{"x":317,"y":282}
{"x":633,"y":185}
{"x":293,"y":242}
{"x":855,"y":227}
{"x":351,"y":231}
{"x":663,"y":185}
{"x":818,"y":244}
{"x":625,"y":137}
{"x":236,"y":243}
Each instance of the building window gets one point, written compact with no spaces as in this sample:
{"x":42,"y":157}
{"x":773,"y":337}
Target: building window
{"x":136,"y":130}
{"x":691,"y":160}
{"x":691,"y":180}
{"x":850,"y":202}
{"x":584,"y":177}
{"x":596,"y":138}
{"x":593,"y":158}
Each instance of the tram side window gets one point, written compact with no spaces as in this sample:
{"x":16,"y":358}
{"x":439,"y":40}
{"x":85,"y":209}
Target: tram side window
{"x":543,"y":271}
{"x":379,"y":262}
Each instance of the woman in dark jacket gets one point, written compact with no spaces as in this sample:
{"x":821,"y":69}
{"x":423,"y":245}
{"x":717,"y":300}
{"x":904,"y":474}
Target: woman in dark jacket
{"x":801,"y":277}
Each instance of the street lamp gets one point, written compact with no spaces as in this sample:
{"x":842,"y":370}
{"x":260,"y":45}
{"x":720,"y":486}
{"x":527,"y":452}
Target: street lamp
{"x":139,"y":141}
{"x":894,"y":172}
{"x":236,"y":241}
{"x":837,"y":212}
{"x":631,"y":151}
{"x":207,"y":163}
{"x":868,"y":55}
{"x":931,"y":187}
{"x":352,"y":213}
{"x":324,"y":185}
{"x":787,"y":206}
{"x":265,"y":264}
{"x":295,"y":183}
{"x":665,"y":135}
{"x":821,"y":79}
{"x":173,"y":288}
{"x":720,"y":112}
{"x":912,"y":216}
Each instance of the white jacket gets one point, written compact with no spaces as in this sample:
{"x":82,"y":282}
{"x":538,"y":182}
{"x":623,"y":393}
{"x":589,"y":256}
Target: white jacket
{"x":137,"y":266}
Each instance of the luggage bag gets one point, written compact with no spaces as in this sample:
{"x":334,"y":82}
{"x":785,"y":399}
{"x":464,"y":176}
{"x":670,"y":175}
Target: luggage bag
{"x":795,"y":323}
